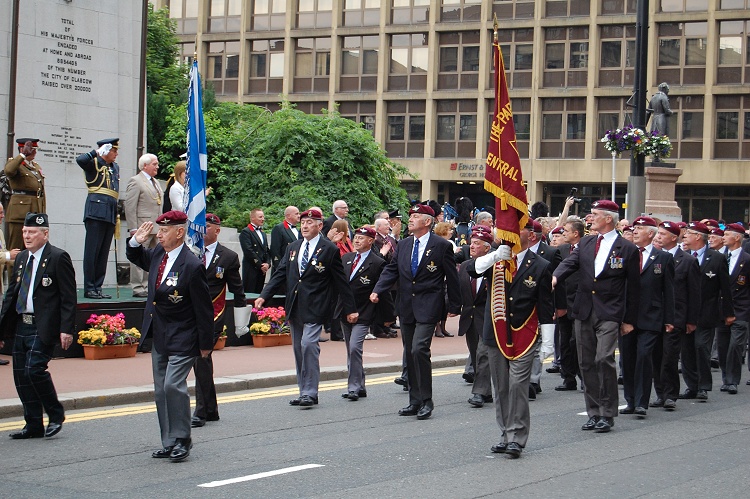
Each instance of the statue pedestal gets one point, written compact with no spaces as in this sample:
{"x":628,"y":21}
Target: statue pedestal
{"x":660,"y":181}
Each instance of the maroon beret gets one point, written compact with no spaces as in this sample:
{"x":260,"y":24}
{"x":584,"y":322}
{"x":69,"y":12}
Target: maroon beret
{"x":710,"y":223}
{"x":557,"y":230}
{"x":423,"y":209}
{"x":365,"y":231}
{"x":606,"y":205}
{"x":212,"y":219}
{"x":483,"y":234}
{"x":644,"y":222}
{"x":698,"y":227}
{"x":736,"y":227}
{"x":314,"y":214}
{"x":671,"y":227}
{"x":173,"y":217}
{"x":628,"y":228}
{"x":717,"y":232}
{"x":533,"y":225}
{"x":681,"y":224}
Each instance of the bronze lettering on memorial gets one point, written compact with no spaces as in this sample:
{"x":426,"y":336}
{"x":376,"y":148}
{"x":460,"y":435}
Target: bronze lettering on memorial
{"x":63,"y":146}
{"x":68,"y":63}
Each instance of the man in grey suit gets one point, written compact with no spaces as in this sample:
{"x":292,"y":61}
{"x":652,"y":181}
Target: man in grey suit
{"x":143,"y":198}
{"x":179,"y":316}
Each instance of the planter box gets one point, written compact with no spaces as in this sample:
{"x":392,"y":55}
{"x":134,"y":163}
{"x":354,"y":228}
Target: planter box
{"x":220,"y":343}
{"x":271,"y":340}
{"x":95,"y":352}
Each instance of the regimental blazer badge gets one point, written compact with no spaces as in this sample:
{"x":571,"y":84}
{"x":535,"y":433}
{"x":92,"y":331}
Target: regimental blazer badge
{"x":431,"y":267}
{"x":529,"y":282}
{"x":710,"y":274}
{"x":46,"y":281}
{"x":364,"y":280}
{"x":741,"y":280}
{"x":175,"y":297}
{"x":319,"y":267}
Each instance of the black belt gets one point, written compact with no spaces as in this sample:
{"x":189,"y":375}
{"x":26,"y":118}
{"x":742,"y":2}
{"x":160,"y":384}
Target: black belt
{"x":28,"y":318}
{"x":38,"y":193}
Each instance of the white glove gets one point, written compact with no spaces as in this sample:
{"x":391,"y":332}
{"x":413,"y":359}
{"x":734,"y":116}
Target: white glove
{"x":104,"y":149}
{"x":241,"y":320}
{"x":547,"y":347}
{"x":482,"y":263}
{"x":240,"y":331}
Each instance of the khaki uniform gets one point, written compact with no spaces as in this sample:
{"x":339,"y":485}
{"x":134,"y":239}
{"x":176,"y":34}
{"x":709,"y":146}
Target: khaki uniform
{"x":27,"y":183}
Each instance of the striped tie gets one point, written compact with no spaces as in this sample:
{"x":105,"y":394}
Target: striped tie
{"x":23,"y":292}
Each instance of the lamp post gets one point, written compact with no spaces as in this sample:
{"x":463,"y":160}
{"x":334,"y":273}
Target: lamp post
{"x":637,"y":179}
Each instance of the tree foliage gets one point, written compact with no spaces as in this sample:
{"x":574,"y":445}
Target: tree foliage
{"x":273,"y":160}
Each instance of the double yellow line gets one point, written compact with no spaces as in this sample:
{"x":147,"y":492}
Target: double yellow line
{"x":226,"y":399}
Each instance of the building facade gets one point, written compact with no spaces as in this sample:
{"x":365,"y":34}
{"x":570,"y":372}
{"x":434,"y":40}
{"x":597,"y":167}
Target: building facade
{"x":418,"y":75}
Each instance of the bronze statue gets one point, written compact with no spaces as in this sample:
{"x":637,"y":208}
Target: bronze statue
{"x":659,"y":107}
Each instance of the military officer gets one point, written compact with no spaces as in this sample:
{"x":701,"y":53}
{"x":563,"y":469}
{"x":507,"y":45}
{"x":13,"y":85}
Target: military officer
{"x":256,"y":258}
{"x":100,"y":217}
{"x":27,"y":190}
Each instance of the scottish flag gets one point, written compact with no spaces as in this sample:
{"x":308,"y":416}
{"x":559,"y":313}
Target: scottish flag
{"x":197,"y":164}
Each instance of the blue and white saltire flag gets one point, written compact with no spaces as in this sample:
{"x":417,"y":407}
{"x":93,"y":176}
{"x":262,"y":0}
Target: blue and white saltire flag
{"x":197,"y":164}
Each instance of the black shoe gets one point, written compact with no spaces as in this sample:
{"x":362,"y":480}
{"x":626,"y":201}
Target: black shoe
{"x":360,"y":394}
{"x":409,"y":410}
{"x":25,"y":434}
{"x":513,"y":451}
{"x":401,"y":381}
{"x":627,"y":410}
{"x":657,"y":403}
{"x":688,"y":394}
{"x":747,"y":382}
{"x":104,"y":297}
{"x":142,"y":294}
{"x":197,"y":423}
{"x":723,"y":388}
{"x":701,"y":395}
{"x":499,"y":448}
{"x":213,"y":417}
{"x":337,"y":339}
{"x":566,"y":386}
{"x":619,"y":380}
{"x":537,"y":387}
{"x":604,"y":425}
{"x":4,"y":362}
{"x":93,"y":295}
{"x":590,"y":424}
{"x":353,"y":396}
{"x":425,"y":411}
{"x":476,"y":400}
{"x":53,"y":429}
{"x":640,"y":412}
{"x":732,"y":389}
{"x":322,"y":340}
{"x":468,"y":377}
{"x":553,"y":369}
{"x":307,"y":401}
{"x":714,"y":363}
{"x":532,"y":393}
{"x":449,"y":335}
{"x":162,"y":453}
{"x":181,"y":450}
{"x":670,"y":405}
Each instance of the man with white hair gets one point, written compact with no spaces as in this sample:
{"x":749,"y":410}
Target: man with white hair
{"x":340,"y":211}
{"x":102,"y":177}
{"x":143,"y":199}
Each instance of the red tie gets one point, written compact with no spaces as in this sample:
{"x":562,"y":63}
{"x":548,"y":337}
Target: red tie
{"x":203,"y":259}
{"x":640,"y":257}
{"x":695,"y":254}
{"x":473,"y":287}
{"x":354,"y":264}
{"x":598,"y":243}
{"x":162,"y":266}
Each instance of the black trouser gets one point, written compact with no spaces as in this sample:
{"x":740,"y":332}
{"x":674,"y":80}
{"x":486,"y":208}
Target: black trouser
{"x":568,"y":354}
{"x":637,"y":353}
{"x":666,"y":370}
{"x":206,"y":407}
{"x":417,"y":340}
{"x":96,"y":252}
{"x":33,"y":381}
{"x":696,"y":358}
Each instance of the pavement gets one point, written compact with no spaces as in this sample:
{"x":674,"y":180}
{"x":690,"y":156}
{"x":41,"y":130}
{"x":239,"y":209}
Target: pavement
{"x":83,"y":384}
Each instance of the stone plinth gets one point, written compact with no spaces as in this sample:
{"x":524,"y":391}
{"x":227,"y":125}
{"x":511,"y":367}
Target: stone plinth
{"x":660,"y":199}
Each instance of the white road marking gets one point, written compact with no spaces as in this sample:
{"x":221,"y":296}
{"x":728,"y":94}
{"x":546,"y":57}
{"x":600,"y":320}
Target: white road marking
{"x":257,"y":476}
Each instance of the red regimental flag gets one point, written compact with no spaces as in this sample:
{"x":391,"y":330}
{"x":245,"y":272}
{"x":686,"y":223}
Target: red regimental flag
{"x":504,"y":179}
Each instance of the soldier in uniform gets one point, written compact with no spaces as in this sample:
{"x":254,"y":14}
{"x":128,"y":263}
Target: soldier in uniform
{"x":100,"y":213}
{"x":256,"y":257}
{"x":27,"y":190}
{"x":222,"y":271}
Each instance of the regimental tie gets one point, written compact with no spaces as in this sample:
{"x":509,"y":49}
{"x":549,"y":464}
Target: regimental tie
{"x":23,"y":292}
{"x":354,"y":265}
{"x":598,"y":243}
{"x":160,"y":273}
{"x":640,"y":258}
{"x":415,"y":258}
{"x":156,"y":189}
{"x":305,"y":256}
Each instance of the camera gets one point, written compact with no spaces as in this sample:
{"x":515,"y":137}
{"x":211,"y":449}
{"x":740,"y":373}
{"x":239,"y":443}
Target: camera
{"x":573,"y":192}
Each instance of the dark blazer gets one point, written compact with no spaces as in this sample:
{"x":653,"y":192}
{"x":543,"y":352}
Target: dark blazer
{"x":380,"y":241}
{"x":656,"y":297}
{"x":224,"y":272}
{"x":328,"y":223}
{"x":472,"y":307}
{"x":422,"y":298}
{"x":179,"y":314}
{"x":281,"y":236}
{"x":687,"y":290}
{"x":102,"y":181}
{"x":746,"y":245}
{"x":716,"y":303}
{"x":613,"y":295}
{"x":570,"y":283}
{"x":312,"y":296}
{"x":739,"y":282}
{"x":54,"y":296}
{"x":254,"y":254}
{"x":553,"y":254}
{"x":362,"y":284}
{"x":526,"y":299}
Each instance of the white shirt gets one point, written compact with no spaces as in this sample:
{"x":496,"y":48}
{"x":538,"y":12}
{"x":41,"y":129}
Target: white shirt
{"x":312,"y":244}
{"x":176,"y":196}
{"x":209,"y":252}
{"x":259,"y":232}
{"x":362,"y":258}
{"x":30,"y":299}
{"x":294,"y":230}
{"x":171,"y":257}
{"x":604,"y":247}
{"x":535,"y":249}
{"x":422,"y":245}
{"x":646,"y":253}
{"x":520,"y":256}
{"x":734,"y":256}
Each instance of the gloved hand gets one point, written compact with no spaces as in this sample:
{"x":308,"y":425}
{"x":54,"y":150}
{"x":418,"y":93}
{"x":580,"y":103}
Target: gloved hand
{"x":482,"y":263}
{"x":547,"y":347}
